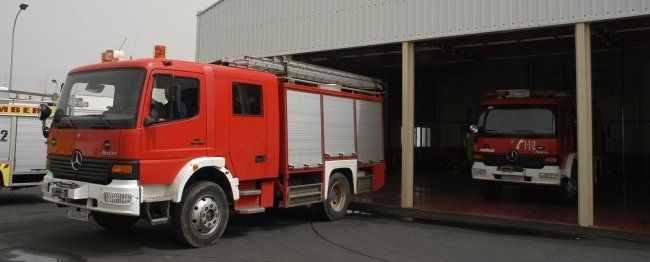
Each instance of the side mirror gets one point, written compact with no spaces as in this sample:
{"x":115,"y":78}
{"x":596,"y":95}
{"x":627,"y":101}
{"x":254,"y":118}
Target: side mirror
{"x":46,"y":131}
{"x":474,"y":128}
{"x":149,"y":121}
{"x":45,"y":110}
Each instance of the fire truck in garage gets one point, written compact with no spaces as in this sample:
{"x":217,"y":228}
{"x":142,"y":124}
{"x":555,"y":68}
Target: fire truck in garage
{"x":192,"y":142}
{"x":528,"y":138}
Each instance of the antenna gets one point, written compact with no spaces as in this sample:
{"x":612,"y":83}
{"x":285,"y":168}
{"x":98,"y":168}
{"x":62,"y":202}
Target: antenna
{"x":121,"y":38}
{"x":122,"y":45}
{"x":134,"y":43}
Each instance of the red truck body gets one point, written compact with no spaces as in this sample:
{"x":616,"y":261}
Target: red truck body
{"x":148,"y":167}
{"x":526,"y":139}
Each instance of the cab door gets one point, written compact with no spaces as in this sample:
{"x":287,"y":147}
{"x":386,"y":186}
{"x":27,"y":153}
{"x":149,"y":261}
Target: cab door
{"x":174,"y":128}
{"x":248,"y":130}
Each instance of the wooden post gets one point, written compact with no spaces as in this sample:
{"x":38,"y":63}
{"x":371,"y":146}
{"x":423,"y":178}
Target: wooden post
{"x":408,"y":119}
{"x":585,"y":125}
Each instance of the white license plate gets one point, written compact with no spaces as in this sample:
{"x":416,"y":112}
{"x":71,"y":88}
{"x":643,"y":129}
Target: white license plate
{"x":512,"y":178}
{"x":77,"y":215}
{"x":60,"y":192}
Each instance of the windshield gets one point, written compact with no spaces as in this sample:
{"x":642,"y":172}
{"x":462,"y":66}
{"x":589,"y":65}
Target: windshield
{"x":519,"y":121}
{"x":100,"y":99}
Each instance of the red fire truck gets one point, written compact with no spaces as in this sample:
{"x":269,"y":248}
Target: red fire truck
{"x":187,"y":142}
{"x":525,"y":137}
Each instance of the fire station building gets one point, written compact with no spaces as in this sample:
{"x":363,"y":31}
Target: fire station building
{"x":442,"y":60}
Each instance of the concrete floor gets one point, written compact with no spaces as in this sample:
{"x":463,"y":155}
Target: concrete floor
{"x":31,"y":229}
{"x":458,"y":193}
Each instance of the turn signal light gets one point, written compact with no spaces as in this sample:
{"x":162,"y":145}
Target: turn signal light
{"x":122,"y":169}
{"x":478,"y":157}
{"x":551,"y":160}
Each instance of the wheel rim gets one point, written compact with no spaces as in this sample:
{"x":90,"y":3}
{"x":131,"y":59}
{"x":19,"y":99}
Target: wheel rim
{"x":337,"y":196}
{"x":205,"y":215}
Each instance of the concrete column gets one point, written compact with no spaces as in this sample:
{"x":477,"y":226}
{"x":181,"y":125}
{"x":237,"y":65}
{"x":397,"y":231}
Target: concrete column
{"x":408,"y":119}
{"x":585,"y":125}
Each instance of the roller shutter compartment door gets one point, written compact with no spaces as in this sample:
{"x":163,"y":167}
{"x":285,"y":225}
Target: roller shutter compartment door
{"x":304,"y":129}
{"x":31,"y":149}
{"x":339,"y":126}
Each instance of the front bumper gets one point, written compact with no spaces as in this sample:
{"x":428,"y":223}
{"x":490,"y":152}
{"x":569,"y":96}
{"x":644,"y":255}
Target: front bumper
{"x":548,"y":175}
{"x":120,"y":197}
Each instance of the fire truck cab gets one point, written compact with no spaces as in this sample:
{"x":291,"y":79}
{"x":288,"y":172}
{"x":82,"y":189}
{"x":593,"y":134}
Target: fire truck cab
{"x":189,"y":142}
{"x":526,"y":138}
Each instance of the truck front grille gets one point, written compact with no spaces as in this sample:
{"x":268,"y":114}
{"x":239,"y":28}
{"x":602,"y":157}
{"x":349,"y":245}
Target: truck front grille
{"x":92,"y":170}
{"x":523,"y":161}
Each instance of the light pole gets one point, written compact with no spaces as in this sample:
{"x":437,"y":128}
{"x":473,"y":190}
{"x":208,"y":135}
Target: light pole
{"x":22,"y":6}
{"x":55,"y":83}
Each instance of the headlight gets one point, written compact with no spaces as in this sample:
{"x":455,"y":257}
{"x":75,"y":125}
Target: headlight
{"x":478,"y":171}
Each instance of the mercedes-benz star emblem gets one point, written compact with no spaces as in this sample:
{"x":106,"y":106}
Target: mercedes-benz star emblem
{"x":76,"y":160}
{"x":512,"y":155}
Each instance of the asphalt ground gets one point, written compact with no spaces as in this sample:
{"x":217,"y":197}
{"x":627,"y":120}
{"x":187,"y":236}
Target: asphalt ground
{"x":34,"y":230}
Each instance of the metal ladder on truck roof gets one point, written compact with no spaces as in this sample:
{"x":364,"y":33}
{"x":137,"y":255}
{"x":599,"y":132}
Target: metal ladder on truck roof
{"x":311,"y":74}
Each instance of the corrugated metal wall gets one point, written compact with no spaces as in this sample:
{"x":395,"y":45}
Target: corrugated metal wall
{"x":234,"y":28}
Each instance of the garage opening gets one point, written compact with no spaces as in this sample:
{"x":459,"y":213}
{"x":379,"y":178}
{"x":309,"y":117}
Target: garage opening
{"x":621,"y":61}
{"x":460,"y":83}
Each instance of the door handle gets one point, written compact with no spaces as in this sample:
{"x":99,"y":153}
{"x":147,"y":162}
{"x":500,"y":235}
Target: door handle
{"x":260,"y":159}
{"x":197,"y":142}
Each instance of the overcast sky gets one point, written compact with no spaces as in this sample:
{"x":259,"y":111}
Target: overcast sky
{"x":54,"y":36}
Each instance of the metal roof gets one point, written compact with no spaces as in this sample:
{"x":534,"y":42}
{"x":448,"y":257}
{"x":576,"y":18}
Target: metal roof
{"x":234,"y":29}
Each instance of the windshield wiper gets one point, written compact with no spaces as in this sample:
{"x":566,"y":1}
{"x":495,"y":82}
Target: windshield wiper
{"x":107,"y":124}
{"x":69,"y":122}
{"x":525,"y":131}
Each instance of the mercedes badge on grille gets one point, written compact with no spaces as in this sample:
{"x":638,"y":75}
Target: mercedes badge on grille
{"x":76,"y":160}
{"x":512,"y":155}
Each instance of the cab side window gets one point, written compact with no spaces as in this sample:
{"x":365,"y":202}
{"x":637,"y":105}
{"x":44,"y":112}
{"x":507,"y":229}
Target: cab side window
{"x":174,"y":98}
{"x":247,"y":99}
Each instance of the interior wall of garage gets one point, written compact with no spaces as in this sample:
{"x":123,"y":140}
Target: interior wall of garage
{"x":623,"y":92}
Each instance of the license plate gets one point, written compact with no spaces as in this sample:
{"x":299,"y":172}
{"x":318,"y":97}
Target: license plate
{"x":77,"y":215}
{"x":512,"y":178}
{"x":60,"y":192}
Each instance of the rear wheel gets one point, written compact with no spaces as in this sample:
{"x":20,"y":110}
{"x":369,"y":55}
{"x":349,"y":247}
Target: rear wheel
{"x":336,"y":205}
{"x":201,"y":217}
{"x":490,"y":190}
{"x":114,"y":222}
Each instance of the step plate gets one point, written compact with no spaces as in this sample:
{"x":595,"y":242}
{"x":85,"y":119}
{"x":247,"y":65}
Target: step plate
{"x":250,"y":210}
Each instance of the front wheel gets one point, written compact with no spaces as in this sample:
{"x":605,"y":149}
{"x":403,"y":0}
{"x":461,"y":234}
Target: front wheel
{"x":201,"y":217}
{"x":336,"y":205}
{"x":114,"y":222}
{"x":569,"y":187}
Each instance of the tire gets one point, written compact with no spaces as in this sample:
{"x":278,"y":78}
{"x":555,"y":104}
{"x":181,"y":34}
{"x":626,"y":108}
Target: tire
{"x":113,"y":222}
{"x":202,"y":215}
{"x":491,"y":190}
{"x":456,"y":166}
{"x":569,"y":187}
{"x":336,"y":205}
